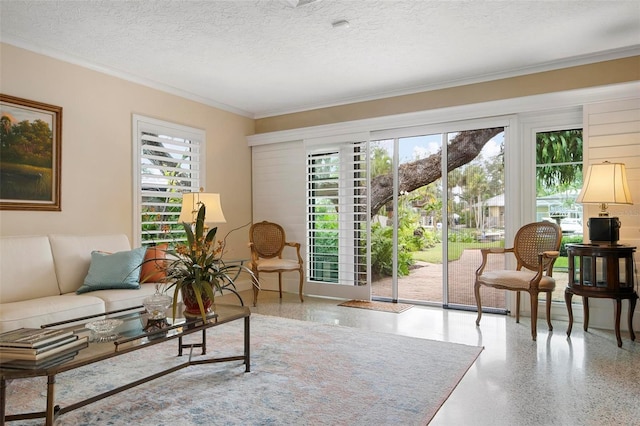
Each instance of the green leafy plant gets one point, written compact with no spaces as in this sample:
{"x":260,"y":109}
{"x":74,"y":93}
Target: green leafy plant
{"x":382,"y":253}
{"x":197,"y":267}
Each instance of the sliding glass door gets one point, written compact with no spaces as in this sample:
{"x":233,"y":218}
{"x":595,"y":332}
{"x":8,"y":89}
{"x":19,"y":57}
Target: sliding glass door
{"x":428,"y":229}
{"x":406,"y":224}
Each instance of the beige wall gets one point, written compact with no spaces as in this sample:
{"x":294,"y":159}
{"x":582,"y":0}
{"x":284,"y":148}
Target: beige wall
{"x":97,"y":146}
{"x":578,"y":77}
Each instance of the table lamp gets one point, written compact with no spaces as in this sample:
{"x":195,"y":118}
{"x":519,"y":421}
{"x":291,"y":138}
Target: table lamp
{"x":605,"y":183}
{"x":191,"y":202}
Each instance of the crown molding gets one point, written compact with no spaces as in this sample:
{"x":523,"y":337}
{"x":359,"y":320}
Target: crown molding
{"x":608,"y":55}
{"x":504,"y":107}
{"x":105,"y":69}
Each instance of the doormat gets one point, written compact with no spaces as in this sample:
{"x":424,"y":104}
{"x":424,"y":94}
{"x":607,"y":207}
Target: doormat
{"x":377,"y":306}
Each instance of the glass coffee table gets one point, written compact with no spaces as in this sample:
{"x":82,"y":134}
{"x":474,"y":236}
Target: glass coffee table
{"x":136,"y":331}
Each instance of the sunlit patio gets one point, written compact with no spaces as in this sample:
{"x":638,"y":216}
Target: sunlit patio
{"x":424,"y":282}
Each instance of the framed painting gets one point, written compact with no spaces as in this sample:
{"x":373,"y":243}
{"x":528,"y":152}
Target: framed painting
{"x":30,"y":154}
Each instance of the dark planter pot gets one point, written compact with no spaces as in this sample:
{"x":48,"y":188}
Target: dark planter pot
{"x":191,"y":307}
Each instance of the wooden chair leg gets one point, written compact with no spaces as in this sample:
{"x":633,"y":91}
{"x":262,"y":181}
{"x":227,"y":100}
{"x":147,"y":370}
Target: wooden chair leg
{"x":280,"y":283}
{"x":476,"y":291}
{"x":256,"y":289}
{"x":534,"y":315}
{"x":301,"y":283}
{"x":517,"y":307}
{"x":549,"y":311}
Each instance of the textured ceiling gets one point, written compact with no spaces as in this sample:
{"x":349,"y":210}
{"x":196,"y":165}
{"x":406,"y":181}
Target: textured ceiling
{"x":266,"y":57}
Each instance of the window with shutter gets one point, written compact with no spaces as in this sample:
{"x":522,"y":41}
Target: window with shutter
{"x":337,"y":209}
{"x":170,"y":160}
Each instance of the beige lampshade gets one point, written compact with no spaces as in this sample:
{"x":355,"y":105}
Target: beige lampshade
{"x":191,"y":202}
{"x":605,"y":183}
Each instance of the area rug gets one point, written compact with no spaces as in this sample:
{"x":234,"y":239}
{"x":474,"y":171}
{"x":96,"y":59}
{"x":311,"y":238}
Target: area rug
{"x":302,"y":373}
{"x":377,"y":306}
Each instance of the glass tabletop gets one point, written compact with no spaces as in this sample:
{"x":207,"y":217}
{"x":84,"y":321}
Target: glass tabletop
{"x":134,"y":330}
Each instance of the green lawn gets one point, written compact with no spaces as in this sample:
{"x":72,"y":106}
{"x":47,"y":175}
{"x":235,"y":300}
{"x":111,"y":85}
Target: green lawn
{"x":434,"y":254}
{"x":561,"y":263}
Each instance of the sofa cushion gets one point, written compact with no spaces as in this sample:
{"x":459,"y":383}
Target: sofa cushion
{"x":45,"y":310}
{"x":72,"y":255}
{"x":122,"y":299}
{"x":120,"y":270}
{"x":26,"y":269}
{"x":153,"y":268}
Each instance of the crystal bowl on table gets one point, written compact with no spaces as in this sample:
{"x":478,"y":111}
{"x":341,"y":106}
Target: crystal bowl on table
{"x":104,"y":330}
{"x":157,"y":305}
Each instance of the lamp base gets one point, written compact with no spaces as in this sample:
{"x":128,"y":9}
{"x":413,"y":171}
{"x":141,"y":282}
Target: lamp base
{"x":604,"y":230}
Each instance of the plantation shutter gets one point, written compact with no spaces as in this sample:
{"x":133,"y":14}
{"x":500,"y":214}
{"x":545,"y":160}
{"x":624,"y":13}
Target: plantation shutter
{"x":170,"y":159}
{"x":337,"y":214}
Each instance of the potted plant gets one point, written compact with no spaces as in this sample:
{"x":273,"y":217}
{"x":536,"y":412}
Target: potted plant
{"x":196,"y":271}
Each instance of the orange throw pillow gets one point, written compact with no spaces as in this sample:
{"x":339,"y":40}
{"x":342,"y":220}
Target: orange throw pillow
{"x":153,"y":268}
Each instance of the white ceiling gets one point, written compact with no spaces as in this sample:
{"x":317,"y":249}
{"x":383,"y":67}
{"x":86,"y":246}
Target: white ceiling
{"x":266,"y":57}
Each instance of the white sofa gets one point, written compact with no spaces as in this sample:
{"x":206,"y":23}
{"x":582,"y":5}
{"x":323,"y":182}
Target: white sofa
{"x":40,"y":274}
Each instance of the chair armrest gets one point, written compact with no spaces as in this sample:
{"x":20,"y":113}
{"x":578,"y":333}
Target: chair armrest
{"x":550,"y":254}
{"x":546,"y":259}
{"x":297,"y":247}
{"x":496,"y":250}
{"x":254,"y":255}
{"x":485,"y":255}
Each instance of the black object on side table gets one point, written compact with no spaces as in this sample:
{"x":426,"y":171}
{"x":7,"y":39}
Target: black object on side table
{"x":604,"y":271}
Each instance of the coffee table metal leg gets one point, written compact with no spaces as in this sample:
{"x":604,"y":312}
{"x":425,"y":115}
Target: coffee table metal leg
{"x":247,"y":345}
{"x":51,"y":409}
{"x":3,"y":400}
{"x":202,"y":345}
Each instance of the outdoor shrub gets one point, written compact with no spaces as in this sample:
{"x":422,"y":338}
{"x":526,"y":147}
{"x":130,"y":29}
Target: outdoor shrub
{"x":414,"y":243}
{"x":462,"y":236}
{"x":405,"y":260}
{"x":430,"y":238}
{"x":569,"y":239}
{"x":382,"y":252}
{"x":410,"y":239}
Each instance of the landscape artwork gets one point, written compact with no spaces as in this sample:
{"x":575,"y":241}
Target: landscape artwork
{"x":30,"y":156}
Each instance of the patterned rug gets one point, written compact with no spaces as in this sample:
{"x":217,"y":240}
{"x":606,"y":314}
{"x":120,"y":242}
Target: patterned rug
{"x":377,"y":306}
{"x":301,"y":373}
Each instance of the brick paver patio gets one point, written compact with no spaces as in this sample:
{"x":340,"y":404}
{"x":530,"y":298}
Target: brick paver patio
{"x":424,"y":283}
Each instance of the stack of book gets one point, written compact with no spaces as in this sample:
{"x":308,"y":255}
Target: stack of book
{"x":38,"y":348}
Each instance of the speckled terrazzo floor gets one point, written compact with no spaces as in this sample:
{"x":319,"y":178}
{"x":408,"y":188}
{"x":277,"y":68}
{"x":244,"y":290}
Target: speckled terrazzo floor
{"x":586,"y":380}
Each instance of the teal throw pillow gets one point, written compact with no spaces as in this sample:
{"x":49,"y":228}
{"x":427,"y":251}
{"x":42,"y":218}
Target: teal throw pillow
{"x":112,"y":271}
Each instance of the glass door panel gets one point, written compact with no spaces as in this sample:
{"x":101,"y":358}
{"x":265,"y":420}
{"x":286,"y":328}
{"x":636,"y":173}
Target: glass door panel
{"x":558,"y":182}
{"x":420,"y":221}
{"x":382,"y":223}
{"x":475,"y":220}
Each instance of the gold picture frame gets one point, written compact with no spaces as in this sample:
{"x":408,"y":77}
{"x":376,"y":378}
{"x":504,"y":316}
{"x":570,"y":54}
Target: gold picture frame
{"x":30,"y":154}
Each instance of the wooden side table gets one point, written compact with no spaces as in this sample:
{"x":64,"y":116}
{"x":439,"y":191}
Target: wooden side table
{"x":604,"y":271}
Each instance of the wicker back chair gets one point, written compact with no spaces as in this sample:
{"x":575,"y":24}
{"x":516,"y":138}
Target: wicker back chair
{"x":536,"y":247}
{"x":267,"y":241}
